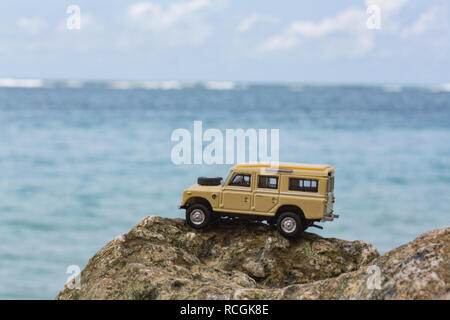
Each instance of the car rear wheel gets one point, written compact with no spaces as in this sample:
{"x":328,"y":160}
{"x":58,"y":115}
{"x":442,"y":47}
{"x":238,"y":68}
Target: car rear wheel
{"x":198,"y":216}
{"x":289,"y":225}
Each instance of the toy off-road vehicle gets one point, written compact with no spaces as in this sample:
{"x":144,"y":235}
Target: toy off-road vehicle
{"x":290,"y":196}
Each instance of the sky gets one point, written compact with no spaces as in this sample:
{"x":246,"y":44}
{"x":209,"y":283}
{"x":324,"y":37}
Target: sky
{"x":345,"y":41}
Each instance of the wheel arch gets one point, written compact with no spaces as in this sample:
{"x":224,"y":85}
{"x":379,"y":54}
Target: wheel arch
{"x":291,"y":208}
{"x":198,"y":200}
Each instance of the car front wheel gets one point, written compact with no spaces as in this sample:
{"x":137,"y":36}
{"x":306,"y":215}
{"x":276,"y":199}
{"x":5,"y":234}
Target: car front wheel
{"x":198,"y":216}
{"x":289,"y":225}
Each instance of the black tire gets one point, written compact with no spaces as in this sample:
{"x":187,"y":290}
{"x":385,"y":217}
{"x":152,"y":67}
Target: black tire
{"x":287,"y":220}
{"x":198,"y":216}
{"x":204,"y":181}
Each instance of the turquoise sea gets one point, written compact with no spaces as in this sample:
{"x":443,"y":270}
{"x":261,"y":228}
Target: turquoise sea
{"x":81,"y":163}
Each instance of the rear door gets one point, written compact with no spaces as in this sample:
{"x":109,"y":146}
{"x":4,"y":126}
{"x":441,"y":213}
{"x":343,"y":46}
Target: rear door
{"x":266,"y":194}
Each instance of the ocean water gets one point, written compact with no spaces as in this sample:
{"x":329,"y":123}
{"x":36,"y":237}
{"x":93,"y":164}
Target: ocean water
{"x":83,"y":163}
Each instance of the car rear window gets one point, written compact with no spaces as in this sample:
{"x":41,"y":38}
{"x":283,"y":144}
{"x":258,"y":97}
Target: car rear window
{"x":299,"y":184}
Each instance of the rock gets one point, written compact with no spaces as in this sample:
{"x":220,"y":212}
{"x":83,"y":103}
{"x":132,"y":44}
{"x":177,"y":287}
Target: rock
{"x":165,"y":259}
{"x":417,"y":270}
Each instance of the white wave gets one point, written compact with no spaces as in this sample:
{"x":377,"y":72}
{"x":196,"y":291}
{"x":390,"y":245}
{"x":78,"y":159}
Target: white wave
{"x":219,"y":85}
{"x":296,"y":88}
{"x":162,"y":85}
{"x":392,"y":88}
{"x":149,"y":85}
{"x":445,"y":87}
{"x":73,"y":84}
{"x":21,"y":83}
{"x":121,"y":85}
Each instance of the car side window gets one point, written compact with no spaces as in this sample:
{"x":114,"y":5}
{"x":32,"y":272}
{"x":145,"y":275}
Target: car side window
{"x":308,"y":185}
{"x":268,"y":182}
{"x":242,"y":180}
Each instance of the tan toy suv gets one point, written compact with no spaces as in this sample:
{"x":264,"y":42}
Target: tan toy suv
{"x":291,"y":196}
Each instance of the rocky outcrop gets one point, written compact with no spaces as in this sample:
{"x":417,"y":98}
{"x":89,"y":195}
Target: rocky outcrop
{"x":417,"y":270}
{"x":165,"y":259}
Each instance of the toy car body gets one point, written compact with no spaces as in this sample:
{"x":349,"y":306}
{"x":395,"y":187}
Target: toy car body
{"x":291,"y":196}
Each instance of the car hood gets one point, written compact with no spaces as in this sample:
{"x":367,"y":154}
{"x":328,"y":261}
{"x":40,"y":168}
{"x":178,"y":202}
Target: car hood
{"x":198,"y":187}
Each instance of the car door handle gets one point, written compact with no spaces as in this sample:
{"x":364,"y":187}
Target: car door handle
{"x":274,"y":200}
{"x":246,"y":199}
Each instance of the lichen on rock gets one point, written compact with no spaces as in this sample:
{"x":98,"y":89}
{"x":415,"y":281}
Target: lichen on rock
{"x":163,"y":258}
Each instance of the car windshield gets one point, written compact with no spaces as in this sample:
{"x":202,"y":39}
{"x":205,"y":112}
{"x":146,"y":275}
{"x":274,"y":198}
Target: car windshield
{"x":228,"y":177}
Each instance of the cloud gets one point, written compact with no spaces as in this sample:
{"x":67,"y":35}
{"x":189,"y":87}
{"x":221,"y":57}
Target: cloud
{"x":178,"y":23}
{"x":249,"y":22}
{"x":425,"y":22}
{"x":350,"y":23}
{"x":88,"y":22}
{"x":388,"y":7}
{"x":32,"y":26}
{"x":346,"y":33}
{"x":154,"y":16}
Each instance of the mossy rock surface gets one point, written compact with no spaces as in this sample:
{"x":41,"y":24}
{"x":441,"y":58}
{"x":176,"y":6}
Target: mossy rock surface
{"x":163,"y":258}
